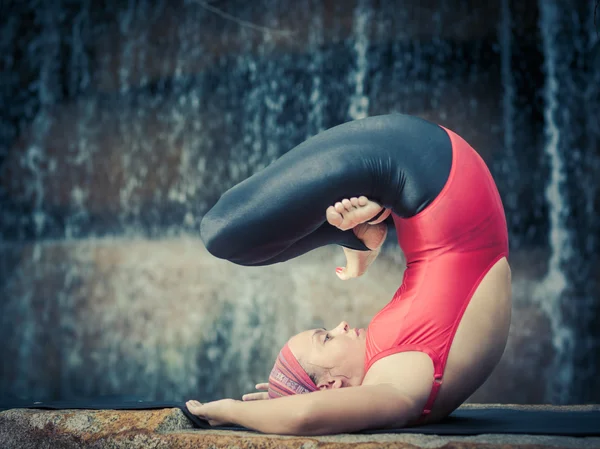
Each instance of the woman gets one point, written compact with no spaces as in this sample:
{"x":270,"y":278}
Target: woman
{"x":446,"y":327}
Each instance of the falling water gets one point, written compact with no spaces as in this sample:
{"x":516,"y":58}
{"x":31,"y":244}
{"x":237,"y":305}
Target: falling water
{"x":509,"y":168}
{"x":161,"y":106}
{"x":551,"y":288}
{"x":46,"y":50}
{"x":315,"y":66}
{"x":359,"y":103}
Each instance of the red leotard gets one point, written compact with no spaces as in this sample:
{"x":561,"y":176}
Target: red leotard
{"x":449,"y":247}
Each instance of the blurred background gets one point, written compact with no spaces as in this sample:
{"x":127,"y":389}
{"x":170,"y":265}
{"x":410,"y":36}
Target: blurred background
{"x":122,"y":122}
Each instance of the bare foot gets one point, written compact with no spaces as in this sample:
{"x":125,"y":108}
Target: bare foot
{"x":357,"y":262}
{"x":348,"y":213}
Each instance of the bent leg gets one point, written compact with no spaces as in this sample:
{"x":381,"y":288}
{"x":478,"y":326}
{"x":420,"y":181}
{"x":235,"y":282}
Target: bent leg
{"x":281,"y":207}
{"x":324,"y":235}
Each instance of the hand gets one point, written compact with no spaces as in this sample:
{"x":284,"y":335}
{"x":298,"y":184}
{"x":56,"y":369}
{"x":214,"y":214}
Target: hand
{"x":213,"y":412}
{"x":257,"y":396}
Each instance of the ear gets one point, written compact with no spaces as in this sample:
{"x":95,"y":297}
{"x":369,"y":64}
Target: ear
{"x":329,"y":384}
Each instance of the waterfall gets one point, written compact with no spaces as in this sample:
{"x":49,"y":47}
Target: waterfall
{"x":551,"y":288}
{"x":316,"y":98}
{"x":359,"y":103}
{"x":509,"y":165}
{"x":45,"y":52}
{"x":123,"y":122}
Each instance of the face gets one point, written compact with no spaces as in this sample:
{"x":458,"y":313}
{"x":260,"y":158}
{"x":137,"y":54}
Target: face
{"x":337,"y":356}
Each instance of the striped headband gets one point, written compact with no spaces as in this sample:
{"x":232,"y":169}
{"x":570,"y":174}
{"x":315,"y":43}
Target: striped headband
{"x":288,"y":377}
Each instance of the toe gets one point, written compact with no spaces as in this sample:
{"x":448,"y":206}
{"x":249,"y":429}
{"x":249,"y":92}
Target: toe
{"x":347,"y":204}
{"x":354,"y":201}
{"x":362,"y":201}
{"x":339,"y":207}
{"x":333,"y":217}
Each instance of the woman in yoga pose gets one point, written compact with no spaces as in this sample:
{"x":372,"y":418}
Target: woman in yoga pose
{"x":446,"y":327}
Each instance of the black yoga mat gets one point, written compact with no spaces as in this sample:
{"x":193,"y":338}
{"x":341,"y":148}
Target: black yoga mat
{"x":467,"y":421}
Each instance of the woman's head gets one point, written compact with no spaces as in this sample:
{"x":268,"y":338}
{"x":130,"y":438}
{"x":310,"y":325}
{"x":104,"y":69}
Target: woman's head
{"x":319,"y":359}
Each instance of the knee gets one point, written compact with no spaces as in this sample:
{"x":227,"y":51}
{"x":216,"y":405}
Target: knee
{"x":212,"y":235}
{"x":224,"y":240}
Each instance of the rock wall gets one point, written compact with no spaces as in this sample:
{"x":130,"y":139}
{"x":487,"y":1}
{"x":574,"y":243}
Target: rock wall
{"x":121,"y":123}
{"x":164,"y":320}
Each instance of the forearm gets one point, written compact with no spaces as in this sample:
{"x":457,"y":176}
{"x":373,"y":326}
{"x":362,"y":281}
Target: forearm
{"x":269,"y":416}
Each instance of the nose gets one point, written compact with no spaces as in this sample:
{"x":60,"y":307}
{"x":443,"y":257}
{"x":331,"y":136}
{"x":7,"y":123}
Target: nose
{"x":343,"y":326}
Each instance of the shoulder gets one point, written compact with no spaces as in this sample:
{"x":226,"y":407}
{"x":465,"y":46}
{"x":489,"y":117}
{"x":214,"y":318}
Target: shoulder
{"x":410,"y":372}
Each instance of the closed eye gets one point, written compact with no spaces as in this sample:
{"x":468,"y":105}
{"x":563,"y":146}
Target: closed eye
{"x":327,"y":337}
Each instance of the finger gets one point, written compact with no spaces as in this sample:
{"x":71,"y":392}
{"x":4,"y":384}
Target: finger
{"x":262,"y":386}
{"x":194,"y":407}
{"x":255,"y":397}
{"x":341,"y":273}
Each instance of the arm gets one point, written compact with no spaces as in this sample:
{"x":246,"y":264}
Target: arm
{"x":322,"y":412}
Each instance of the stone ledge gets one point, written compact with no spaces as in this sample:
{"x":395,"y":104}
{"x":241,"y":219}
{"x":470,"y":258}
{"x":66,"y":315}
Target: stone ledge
{"x":533,"y":407}
{"x":24,"y":428}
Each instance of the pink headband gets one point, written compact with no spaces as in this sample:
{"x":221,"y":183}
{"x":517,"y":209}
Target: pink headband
{"x":288,"y":377}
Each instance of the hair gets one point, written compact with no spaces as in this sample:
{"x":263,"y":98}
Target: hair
{"x":311,"y":373}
